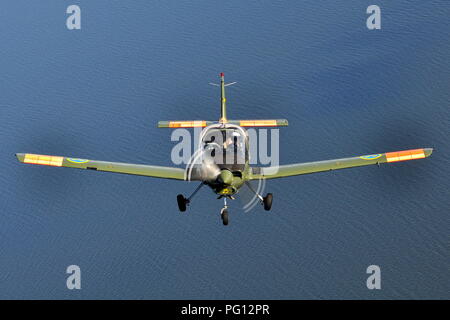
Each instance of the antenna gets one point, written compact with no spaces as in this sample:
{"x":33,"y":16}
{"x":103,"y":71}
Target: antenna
{"x":226,"y":85}
{"x":223,"y":112}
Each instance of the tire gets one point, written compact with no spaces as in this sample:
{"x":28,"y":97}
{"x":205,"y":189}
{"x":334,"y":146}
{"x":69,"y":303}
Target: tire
{"x":225,"y":217}
{"x":268,"y":201}
{"x":181,"y":200}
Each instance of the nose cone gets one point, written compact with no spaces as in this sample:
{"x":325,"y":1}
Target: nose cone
{"x":226,"y":177}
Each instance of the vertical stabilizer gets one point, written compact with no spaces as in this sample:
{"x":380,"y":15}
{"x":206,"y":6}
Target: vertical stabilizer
{"x":223,"y":100}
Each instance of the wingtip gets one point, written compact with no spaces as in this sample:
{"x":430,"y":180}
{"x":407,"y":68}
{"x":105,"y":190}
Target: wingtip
{"x":428,"y":151}
{"x":20,"y":156}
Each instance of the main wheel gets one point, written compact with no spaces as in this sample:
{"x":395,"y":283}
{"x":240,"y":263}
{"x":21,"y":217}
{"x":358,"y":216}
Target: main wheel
{"x":225,"y":217}
{"x":182,"y":201}
{"x":268,"y":201}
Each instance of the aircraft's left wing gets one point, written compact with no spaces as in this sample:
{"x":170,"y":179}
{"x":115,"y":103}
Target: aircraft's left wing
{"x":327,"y":165}
{"x":118,"y":167}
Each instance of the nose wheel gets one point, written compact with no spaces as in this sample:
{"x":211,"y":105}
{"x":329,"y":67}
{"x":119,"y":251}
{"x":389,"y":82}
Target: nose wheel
{"x":224,"y":216}
{"x":224,"y":212}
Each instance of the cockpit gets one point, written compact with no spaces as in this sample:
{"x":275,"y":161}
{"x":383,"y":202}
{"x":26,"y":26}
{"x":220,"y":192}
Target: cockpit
{"x":227,"y":146}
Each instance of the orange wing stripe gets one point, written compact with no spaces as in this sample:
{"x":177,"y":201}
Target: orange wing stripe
{"x":258,"y":123}
{"x":405,"y":155}
{"x":187,"y":124}
{"x":43,"y":160}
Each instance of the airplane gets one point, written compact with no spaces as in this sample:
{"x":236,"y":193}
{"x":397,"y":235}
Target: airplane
{"x":222,"y":159}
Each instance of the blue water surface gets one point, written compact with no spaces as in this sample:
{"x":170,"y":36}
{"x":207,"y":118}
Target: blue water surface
{"x":98,"y":92}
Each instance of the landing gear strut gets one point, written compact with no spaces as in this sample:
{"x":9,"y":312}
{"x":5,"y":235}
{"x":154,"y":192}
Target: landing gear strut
{"x":265,"y":201}
{"x":183,"y":202}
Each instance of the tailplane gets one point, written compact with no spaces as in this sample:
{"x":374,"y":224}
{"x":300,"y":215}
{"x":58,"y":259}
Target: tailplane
{"x":223,"y":115}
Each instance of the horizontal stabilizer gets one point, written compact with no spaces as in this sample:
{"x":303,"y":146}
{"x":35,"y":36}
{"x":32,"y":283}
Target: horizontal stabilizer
{"x":260,"y":123}
{"x":205,"y":123}
{"x":184,"y":124}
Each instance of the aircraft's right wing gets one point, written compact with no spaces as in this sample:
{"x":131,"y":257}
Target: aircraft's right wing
{"x":117,"y":167}
{"x":327,"y":165}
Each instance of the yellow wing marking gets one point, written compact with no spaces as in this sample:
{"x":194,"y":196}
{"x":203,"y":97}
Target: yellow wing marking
{"x":187,"y":124}
{"x":258,"y":123}
{"x":43,"y":160}
{"x":405,"y":155}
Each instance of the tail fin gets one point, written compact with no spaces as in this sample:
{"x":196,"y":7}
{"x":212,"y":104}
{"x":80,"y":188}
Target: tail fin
{"x":223,"y":100}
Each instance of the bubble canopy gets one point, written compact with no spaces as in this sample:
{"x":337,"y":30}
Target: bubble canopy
{"x":227,"y":146}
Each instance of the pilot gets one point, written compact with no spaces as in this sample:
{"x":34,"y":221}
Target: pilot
{"x":233,"y":141}
{"x":228,"y":142}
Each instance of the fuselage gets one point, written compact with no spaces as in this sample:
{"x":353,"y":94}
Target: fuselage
{"x":222,"y":158}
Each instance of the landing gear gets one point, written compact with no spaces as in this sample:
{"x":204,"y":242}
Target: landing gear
{"x":267,"y":201}
{"x":183,"y":202}
{"x":224,"y":212}
{"x":224,"y":216}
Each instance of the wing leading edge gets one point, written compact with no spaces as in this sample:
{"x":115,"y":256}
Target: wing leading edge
{"x":118,"y":167}
{"x":335,"y":164}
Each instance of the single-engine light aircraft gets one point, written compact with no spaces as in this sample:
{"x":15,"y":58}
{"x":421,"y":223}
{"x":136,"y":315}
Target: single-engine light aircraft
{"x":222,"y":159}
